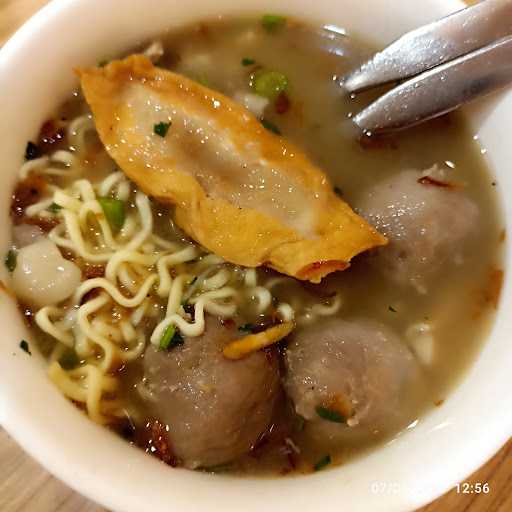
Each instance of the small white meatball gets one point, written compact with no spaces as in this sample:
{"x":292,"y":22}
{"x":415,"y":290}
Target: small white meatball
{"x":42,"y":277}
{"x":425,"y":224}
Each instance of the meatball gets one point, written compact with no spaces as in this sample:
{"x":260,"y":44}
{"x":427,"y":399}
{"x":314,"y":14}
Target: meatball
{"x":215,"y":409}
{"x":424,"y":221}
{"x":347,"y":378}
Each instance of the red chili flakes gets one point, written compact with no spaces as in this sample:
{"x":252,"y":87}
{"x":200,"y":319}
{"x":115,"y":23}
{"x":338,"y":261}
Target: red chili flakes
{"x":229,"y":323}
{"x":92,"y":271}
{"x":154,"y":440}
{"x":428,"y":180}
{"x":27,"y":192}
{"x":52,"y":133}
{"x":282,"y":103}
{"x":489,"y":294}
{"x":46,"y":224}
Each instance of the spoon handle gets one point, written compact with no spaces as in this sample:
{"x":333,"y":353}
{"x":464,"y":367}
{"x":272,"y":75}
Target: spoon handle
{"x":441,"y":89}
{"x":434,"y":44}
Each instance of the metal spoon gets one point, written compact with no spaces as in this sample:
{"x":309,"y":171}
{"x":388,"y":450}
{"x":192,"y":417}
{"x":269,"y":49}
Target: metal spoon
{"x":453,"y":61}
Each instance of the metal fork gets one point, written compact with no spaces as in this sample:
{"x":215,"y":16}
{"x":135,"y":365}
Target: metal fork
{"x":441,"y":66}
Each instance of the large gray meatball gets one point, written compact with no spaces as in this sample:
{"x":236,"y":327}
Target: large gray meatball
{"x":215,"y":408}
{"x":425,"y":222}
{"x":348,"y":379}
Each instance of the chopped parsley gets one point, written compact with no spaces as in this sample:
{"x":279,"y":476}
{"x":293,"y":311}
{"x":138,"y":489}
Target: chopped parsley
{"x":54,"y":207}
{"x":162,"y":128}
{"x":10,"y":260}
{"x":171,"y":338}
{"x":338,"y":191}
{"x":24,"y":346}
{"x":322,"y":463}
{"x":329,"y":414}
{"x":32,"y":151}
{"x":271,"y":127}
{"x":392,"y":309}
{"x":247,"y":61}
{"x":269,"y":84}
{"x":273,"y":22}
{"x":114,"y":211}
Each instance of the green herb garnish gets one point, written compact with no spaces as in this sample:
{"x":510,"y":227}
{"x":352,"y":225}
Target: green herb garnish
{"x":324,"y":461}
{"x":269,"y":84}
{"x":246,"y":61}
{"x":114,"y":211}
{"x":54,"y":207}
{"x":32,"y":151}
{"x":246,"y":328}
{"x":329,"y":414}
{"x":162,"y":128}
{"x":392,"y":309}
{"x":338,"y":191}
{"x":10,"y":260}
{"x":171,"y":338}
{"x":272,"y":22}
{"x":69,"y":360}
{"x":271,"y":127}
{"x":24,"y":346}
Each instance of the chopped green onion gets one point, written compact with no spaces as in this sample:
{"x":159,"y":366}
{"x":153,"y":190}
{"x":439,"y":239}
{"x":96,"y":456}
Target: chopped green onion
{"x":10,"y":260}
{"x":269,"y":84}
{"x":24,"y":346}
{"x":32,"y":151}
{"x":246,"y":328}
{"x":170,"y":338}
{"x":272,"y":22}
{"x":69,"y":360}
{"x":271,"y":127}
{"x":338,"y":191}
{"x":54,"y":207}
{"x":329,"y":414}
{"x":246,"y":61}
{"x":392,"y":309}
{"x":114,"y":211}
{"x":162,"y":128}
{"x":324,"y":461}
{"x":203,"y":81}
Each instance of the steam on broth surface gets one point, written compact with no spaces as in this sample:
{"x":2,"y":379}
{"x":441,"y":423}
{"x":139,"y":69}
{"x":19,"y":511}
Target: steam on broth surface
{"x":211,"y":365}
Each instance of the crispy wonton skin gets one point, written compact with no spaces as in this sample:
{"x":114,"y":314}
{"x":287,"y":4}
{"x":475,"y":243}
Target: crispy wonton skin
{"x":240,"y":191}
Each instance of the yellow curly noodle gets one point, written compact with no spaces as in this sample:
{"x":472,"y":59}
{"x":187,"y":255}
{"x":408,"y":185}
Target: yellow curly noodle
{"x":147,"y":280}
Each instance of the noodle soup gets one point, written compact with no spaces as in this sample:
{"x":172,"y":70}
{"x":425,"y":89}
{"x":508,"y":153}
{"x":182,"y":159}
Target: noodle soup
{"x":217,"y":366}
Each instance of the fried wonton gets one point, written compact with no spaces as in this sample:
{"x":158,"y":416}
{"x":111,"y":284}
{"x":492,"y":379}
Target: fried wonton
{"x":239,"y":190}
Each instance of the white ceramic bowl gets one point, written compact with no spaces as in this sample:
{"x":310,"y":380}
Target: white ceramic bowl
{"x":448,"y":444}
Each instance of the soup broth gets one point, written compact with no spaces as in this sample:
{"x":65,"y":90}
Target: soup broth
{"x":431,"y":322}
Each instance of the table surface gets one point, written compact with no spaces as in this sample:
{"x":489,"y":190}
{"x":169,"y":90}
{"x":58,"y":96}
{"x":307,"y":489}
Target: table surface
{"x":26,"y":486}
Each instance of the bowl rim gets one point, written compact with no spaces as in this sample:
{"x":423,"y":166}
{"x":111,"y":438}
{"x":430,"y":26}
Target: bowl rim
{"x":39,"y":444}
